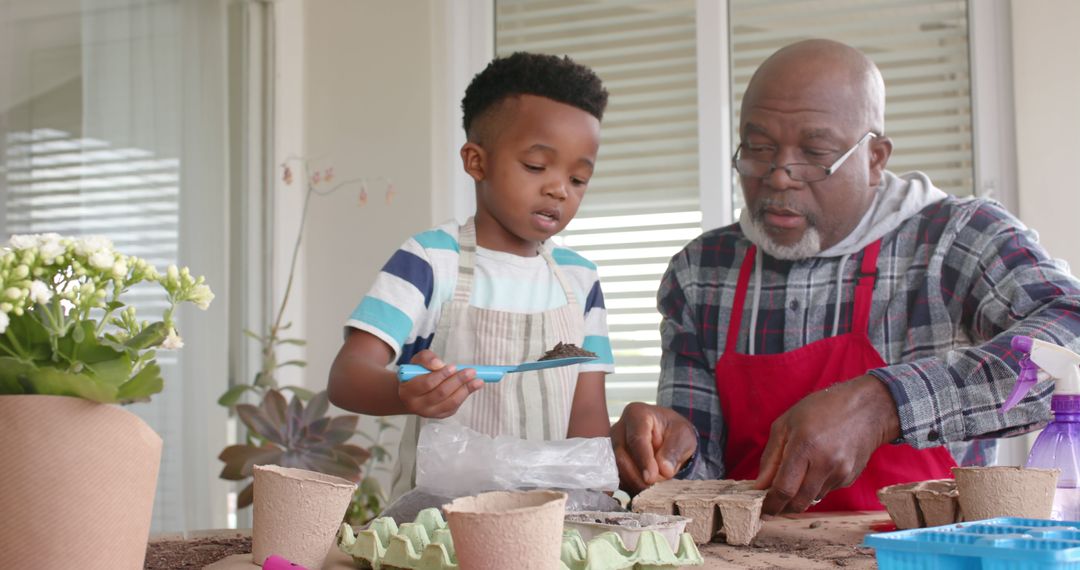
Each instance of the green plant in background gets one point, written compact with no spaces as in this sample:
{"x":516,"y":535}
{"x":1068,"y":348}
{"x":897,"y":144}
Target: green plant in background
{"x":65,"y":329}
{"x":292,"y":433}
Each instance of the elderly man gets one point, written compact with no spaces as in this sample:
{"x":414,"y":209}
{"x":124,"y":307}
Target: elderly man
{"x":852,"y":322}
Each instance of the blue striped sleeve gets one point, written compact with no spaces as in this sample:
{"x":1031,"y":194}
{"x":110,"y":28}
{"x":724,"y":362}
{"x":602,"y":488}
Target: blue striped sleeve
{"x":411,"y":268}
{"x":600,"y":345}
{"x":437,"y":239}
{"x":385,"y":317}
{"x":564,"y":256}
{"x":595,"y":298}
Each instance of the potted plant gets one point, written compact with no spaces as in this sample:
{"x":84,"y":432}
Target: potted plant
{"x":79,"y":473}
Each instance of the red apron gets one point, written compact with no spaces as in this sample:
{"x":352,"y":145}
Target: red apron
{"x":754,"y":390}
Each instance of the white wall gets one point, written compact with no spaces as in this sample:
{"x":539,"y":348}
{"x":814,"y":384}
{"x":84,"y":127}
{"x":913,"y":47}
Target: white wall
{"x":368,"y":114}
{"x":1046,"y":68}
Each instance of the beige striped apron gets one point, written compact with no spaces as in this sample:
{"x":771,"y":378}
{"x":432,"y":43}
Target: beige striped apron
{"x":529,"y":405}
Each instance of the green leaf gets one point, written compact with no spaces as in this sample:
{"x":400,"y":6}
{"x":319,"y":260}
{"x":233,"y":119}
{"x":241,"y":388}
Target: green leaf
{"x":304,"y":393}
{"x":54,"y":382}
{"x":33,"y":337}
{"x":317,"y":407}
{"x":232,"y":395}
{"x":296,"y":341}
{"x":113,"y":305}
{"x":252,"y":335}
{"x":143,"y":385}
{"x":115,"y":371}
{"x":152,"y":335}
{"x":13,"y":373}
{"x":298,"y":363}
{"x":264,"y":380}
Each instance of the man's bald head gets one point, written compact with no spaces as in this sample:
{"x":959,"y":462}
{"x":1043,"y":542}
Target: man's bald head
{"x":826,"y":69}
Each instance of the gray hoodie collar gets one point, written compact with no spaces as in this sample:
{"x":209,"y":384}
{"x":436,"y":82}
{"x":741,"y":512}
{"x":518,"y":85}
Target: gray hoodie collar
{"x":898,"y":198}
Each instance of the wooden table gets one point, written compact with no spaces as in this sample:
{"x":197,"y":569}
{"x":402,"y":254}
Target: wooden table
{"x":803,"y":542}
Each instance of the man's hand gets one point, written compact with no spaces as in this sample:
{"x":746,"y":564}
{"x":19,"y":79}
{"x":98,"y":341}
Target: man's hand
{"x":651,"y":444}
{"x":439,"y":393}
{"x":824,"y":441}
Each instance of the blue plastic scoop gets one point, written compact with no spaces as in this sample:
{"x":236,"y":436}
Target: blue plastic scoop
{"x":407,"y":372}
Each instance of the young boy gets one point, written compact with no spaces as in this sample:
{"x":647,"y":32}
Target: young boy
{"x":495,"y":290}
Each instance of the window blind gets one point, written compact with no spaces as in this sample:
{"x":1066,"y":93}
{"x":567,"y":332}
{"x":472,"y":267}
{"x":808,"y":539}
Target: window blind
{"x":921,"y":47}
{"x":642,"y":203}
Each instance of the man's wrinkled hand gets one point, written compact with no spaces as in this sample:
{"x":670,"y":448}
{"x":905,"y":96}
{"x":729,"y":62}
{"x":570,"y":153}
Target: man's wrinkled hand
{"x":439,"y":393}
{"x":651,"y":444}
{"x":824,"y":441}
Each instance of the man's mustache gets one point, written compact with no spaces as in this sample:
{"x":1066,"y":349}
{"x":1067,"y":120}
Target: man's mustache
{"x":780,"y":204}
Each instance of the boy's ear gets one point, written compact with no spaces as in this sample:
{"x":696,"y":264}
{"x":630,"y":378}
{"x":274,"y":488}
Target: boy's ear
{"x":474,"y":159}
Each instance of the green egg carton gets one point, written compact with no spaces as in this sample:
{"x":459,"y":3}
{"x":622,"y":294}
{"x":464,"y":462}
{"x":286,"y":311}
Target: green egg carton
{"x":425,"y":544}
{"x":607,"y":551}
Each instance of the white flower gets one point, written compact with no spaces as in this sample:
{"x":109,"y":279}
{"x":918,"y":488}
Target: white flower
{"x":119,"y":269}
{"x":102,"y":259}
{"x":23,"y":241}
{"x":13,"y":293}
{"x":91,"y":244}
{"x":201,"y":295}
{"x":173,"y":273}
{"x":50,"y":247}
{"x":173,"y":341}
{"x":40,"y":292}
{"x":4,"y":321}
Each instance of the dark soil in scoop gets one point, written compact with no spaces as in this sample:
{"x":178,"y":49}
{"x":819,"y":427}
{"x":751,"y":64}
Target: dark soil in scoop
{"x":566,"y":350}
{"x":194,"y":553}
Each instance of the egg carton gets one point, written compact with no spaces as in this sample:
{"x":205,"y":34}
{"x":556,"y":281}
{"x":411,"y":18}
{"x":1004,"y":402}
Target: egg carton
{"x":727,"y":506}
{"x":426,"y":544}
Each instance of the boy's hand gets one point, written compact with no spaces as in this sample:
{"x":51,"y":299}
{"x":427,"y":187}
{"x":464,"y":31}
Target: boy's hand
{"x":439,"y":393}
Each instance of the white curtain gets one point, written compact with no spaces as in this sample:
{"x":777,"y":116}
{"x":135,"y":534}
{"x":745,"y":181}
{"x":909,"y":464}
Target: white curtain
{"x":114,"y":121}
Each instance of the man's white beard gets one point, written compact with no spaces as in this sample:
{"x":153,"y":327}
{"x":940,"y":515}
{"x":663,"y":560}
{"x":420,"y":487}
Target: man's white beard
{"x":808,"y":245}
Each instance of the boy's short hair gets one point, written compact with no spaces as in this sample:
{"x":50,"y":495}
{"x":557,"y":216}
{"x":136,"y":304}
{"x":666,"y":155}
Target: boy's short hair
{"x":557,"y":78}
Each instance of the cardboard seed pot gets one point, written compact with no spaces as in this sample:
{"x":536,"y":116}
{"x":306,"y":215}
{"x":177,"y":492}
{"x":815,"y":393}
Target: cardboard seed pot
{"x":77,"y":483}
{"x":521,"y":530}
{"x":296,"y":514}
{"x":988,"y":492}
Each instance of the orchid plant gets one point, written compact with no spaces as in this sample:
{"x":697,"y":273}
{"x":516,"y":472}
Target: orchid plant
{"x":296,"y":431}
{"x":64,"y":326}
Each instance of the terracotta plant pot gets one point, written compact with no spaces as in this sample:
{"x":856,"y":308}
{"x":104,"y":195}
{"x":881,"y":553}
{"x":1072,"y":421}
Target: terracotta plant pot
{"x":988,"y":492}
{"x":296,"y":514}
{"x":503,"y":529}
{"x":77,"y":483}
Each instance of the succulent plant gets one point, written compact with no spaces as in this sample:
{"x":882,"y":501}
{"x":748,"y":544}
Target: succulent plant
{"x":291,"y":434}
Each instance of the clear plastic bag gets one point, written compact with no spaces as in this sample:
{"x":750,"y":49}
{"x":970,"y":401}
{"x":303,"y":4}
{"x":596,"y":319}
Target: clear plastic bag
{"x":454,"y":460}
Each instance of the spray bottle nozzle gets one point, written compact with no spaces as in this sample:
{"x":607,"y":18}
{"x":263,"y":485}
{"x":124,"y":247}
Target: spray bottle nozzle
{"x":1043,"y":360}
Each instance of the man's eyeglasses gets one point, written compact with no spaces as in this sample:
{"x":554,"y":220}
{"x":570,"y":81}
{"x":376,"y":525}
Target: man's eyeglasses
{"x":798,"y":171}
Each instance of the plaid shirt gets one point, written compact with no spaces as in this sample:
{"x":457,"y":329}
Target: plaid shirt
{"x":955,"y":282}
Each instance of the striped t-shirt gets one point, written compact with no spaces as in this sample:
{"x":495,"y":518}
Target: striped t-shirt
{"x":404,"y":304}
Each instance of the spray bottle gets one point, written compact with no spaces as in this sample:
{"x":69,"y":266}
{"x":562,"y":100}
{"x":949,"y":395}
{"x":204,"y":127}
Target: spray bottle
{"x":1058,"y":446}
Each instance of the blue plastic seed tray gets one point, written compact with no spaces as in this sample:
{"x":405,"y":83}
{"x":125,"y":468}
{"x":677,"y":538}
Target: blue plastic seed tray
{"x":1001,"y":543}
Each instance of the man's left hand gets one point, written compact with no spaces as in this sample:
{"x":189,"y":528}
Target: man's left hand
{"x":824,"y":441}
